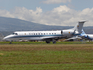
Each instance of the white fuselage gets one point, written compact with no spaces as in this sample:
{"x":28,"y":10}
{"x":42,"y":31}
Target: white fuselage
{"x":38,"y":35}
{"x":87,"y":36}
{"x":90,"y":36}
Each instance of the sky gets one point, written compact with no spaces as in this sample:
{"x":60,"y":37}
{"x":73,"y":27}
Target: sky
{"x":49,"y":12}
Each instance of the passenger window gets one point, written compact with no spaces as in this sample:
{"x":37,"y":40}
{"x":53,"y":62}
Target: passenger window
{"x":61,"y":32}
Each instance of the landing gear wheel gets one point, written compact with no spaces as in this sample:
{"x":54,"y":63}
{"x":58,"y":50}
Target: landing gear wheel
{"x":47,"y":42}
{"x":54,"y":41}
{"x":10,"y":43}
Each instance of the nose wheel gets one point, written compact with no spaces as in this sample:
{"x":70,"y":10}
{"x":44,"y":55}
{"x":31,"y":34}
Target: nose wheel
{"x":10,"y":42}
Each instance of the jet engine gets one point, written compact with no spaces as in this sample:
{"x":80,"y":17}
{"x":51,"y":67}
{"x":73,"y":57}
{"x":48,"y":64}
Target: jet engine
{"x":67,"y":33}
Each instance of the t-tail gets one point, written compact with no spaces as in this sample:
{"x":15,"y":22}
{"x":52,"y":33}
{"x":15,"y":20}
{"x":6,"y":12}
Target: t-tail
{"x":78,"y":28}
{"x":74,"y":32}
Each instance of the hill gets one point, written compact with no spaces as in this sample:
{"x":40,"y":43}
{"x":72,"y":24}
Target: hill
{"x":9,"y":25}
{"x":12,"y":24}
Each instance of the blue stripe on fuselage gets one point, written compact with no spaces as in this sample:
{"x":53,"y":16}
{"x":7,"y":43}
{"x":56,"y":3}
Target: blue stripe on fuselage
{"x":23,"y":36}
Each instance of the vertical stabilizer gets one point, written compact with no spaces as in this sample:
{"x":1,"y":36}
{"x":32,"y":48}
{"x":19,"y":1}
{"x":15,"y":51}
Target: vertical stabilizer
{"x":78,"y":28}
{"x":83,"y":33}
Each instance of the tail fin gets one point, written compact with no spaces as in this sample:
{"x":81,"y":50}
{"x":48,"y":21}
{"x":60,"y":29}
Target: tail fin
{"x":78,"y":28}
{"x":83,"y":33}
{"x":85,"y":36}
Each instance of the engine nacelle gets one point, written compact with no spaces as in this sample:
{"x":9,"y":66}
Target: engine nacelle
{"x":67,"y":33}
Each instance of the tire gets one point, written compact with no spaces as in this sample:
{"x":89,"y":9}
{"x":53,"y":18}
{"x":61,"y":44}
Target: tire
{"x":47,"y":42}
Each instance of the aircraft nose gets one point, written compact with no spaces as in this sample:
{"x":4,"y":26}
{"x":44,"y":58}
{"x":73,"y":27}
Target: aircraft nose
{"x":8,"y":38}
{"x":5,"y":38}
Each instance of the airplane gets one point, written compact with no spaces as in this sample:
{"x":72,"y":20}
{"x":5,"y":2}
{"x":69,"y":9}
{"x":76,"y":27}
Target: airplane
{"x":83,"y":35}
{"x":48,"y":36}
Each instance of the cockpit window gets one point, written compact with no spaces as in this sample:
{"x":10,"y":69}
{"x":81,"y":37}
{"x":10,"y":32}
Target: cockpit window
{"x":15,"y":34}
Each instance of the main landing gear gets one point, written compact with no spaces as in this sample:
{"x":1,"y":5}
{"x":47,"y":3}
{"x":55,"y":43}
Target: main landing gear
{"x":48,"y":41}
{"x":54,"y":41}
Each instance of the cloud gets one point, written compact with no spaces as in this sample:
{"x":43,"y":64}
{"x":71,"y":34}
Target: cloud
{"x":60,"y":16}
{"x":5,"y":13}
{"x":25,"y":14}
{"x":55,"y":1}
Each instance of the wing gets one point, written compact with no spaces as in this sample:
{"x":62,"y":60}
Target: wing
{"x":73,"y":38}
{"x":51,"y":37}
